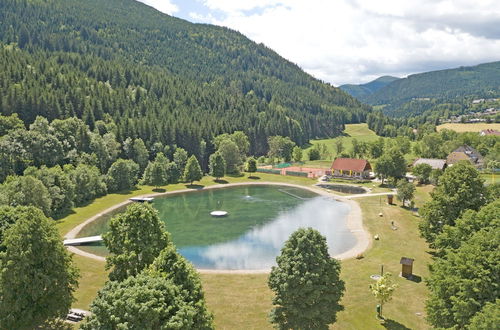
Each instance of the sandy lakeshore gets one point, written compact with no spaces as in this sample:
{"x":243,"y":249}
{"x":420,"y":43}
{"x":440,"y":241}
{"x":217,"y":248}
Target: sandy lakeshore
{"x":354,"y":223}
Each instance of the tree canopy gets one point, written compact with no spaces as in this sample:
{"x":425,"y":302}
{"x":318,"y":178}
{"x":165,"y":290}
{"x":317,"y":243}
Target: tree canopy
{"x":176,"y":268}
{"x":460,"y":188}
{"x":193,"y":170}
{"x":217,"y":165}
{"x":144,"y":301}
{"x":135,"y":239}
{"x":464,"y":280}
{"x":306,"y":283}
{"x":37,"y":276}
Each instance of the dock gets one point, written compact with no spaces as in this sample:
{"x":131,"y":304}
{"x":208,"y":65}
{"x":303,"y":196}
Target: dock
{"x":82,"y":240}
{"x":141,"y":199}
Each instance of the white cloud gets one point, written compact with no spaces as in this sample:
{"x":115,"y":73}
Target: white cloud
{"x":343,"y":41}
{"x":165,"y":6}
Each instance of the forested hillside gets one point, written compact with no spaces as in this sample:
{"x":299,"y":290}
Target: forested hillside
{"x":364,"y":90}
{"x":437,"y":90}
{"x":159,"y":78}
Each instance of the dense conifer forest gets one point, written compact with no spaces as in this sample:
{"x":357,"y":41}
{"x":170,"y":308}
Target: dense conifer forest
{"x":157,"y":77}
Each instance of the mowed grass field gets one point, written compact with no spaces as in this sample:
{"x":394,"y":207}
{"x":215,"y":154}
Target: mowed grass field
{"x":243,"y":301}
{"x":359,"y":131}
{"x":473,"y":127}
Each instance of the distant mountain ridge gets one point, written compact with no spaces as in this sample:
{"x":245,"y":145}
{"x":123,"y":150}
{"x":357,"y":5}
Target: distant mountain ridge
{"x":363,"y":90}
{"x":439,"y":90}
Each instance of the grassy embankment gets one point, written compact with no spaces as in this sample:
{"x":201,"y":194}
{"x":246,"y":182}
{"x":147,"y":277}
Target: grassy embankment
{"x":473,"y":127}
{"x":360,"y":132}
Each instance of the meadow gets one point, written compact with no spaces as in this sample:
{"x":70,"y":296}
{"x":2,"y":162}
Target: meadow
{"x":472,"y":127}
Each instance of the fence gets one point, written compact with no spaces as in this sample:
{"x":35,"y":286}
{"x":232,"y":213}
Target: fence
{"x":294,"y":173}
{"x":266,"y":170}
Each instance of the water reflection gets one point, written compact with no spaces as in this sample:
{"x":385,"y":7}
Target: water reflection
{"x":258,"y":248}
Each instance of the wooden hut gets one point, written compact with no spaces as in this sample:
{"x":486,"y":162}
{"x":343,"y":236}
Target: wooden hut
{"x":407,"y":269}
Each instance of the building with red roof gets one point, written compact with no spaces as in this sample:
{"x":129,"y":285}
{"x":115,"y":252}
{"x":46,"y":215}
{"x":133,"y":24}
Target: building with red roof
{"x":351,"y":168}
{"x":489,"y":132}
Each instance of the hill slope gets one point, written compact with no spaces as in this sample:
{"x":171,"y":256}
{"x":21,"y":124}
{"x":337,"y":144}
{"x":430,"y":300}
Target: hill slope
{"x":437,"y":90}
{"x":364,"y":90}
{"x":159,"y":78}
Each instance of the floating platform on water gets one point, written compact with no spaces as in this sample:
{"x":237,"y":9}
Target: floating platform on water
{"x":141,"y":199}
{"x":218,"y":213}
{"x":82,"y":240}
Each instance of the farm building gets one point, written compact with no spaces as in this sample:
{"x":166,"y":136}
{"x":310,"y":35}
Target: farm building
{"x":436,"y":164}
{"x":489,"y":132}
{"x":465,"y":153}
{"x":351,"y":168}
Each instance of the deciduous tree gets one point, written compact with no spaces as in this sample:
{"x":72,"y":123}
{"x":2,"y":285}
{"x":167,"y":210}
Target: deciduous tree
{"x":176,"y":268}
{"x":26,"y":190}
{"x":251,"y":165}
{"x":464,"y":280}
{"x":306,"y":283}
{"x":422,"y":172}
{"x":217,"y":165}
{"x":383,"y":290}
{"x":37,"y":276}
{"x":136,"y":237}
{"x":122,"y":175}
{"x":406,"y":190}
{"x":280,"y":147}
{"x":145,"y":301}
{"x":193,"y":170}
{"x":460,"y":188}
{"x":297,"y":154}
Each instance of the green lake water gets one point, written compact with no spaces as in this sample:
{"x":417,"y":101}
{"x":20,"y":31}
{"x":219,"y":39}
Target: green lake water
{"x":260,"y":219}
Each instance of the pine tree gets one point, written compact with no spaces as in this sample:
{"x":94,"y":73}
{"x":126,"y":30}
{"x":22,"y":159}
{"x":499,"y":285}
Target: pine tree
{"x":193,"y":170}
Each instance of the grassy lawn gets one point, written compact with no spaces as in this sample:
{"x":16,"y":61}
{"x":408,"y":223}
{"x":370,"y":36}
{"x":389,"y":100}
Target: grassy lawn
{"x":359,"y":131}
{"x":491,"y":178}
{"x":248,"y":296}
{"x":473,"y":127}
{"x":244,"y":301}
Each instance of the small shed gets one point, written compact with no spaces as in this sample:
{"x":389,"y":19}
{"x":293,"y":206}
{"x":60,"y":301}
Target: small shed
{"x":407,"y":270}
{"x":390,"y":199}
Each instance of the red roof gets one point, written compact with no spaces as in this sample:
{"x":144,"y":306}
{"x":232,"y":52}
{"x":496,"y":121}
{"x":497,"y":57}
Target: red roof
{"x":490,"y":132}
{"x":351,"y":164}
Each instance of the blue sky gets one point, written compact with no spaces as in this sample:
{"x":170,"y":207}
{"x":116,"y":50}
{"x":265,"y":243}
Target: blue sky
{"x":355,"y":41}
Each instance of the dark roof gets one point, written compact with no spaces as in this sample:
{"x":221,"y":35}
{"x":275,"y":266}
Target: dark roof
{"x":406,"y":261}
{"x":351,"y":164}
{"x":465,"y":152}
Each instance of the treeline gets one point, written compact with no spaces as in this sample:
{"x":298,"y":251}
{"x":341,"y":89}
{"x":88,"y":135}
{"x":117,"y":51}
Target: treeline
{"x":61,"y":164}
{"x":461,"y":222}
{"x":160,"y":79}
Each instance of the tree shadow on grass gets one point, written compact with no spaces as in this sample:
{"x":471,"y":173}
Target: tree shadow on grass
{"x":414,"y":278}
{"x":235,"y":175}
{"x":159,"y":190}
{"x":252,"y":177}
{"x":394,"y":325}
{"x":63,"y":215}
{"x":221,"y":181}
{"x":195,"y":186}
